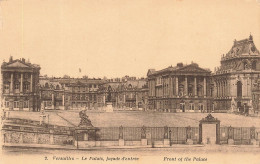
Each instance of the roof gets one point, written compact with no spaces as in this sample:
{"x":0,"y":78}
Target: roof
{"x":19,"y":64}
{"x":193,"y":67}
{"x":245,"y":47}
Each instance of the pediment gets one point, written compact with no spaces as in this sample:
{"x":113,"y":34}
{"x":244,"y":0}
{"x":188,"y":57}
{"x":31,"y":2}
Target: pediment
{"x":192,"y":68}
{"x":17,"y":64}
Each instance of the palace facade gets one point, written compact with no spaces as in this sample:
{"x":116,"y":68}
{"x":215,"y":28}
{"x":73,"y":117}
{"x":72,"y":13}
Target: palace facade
{"x":183,"y":88}
{"x":91,"y":94}
{"x":234,"y":79}
{"x":20,"y":89}
{"x":232,"y":87}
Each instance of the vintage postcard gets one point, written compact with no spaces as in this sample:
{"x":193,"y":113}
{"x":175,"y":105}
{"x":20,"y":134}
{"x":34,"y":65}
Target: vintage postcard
{"x":130,"y":81}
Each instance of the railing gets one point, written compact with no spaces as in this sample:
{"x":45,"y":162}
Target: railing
{"x":240,"y":135}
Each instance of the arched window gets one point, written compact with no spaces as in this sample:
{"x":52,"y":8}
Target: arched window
{"x":181,"y":90}
{"x":46,"y":85}
{"x":254,"y":65}
{"x":199,"y":90}
{"x":239,"y":89}
{"x":57,"y":87}
{"x":190,"y":90}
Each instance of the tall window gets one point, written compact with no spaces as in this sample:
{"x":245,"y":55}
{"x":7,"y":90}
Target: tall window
{"x":191,"y":106}
{"x":190,"y":90}
{"x":26,"y":104}
{"x":7,"y":104}
{"x":17,"y":86}
{"x":26,"y":86}
{"x":6,"y":88}
{"x":181,"y":90}
{"x":16,"y":104}
{"x":239,"y":89}
{"x":254,"y":65}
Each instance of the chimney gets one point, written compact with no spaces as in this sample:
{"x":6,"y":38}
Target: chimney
{"x":23,"y":60}
{"x":11,"y":59}
{"x":179,"y":64}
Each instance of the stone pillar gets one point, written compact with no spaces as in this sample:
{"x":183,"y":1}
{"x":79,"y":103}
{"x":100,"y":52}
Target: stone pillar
{"x":228,"y":88}
{"x":31,"y":83}
{"x":136,"y":100}
{"x":143,"y":136}
{"x":195,"y":86}
{"x":52,"y":100}
{"x":12,"y":83}
{"x":121,"y":141}
{"x":63,"y":101}
{"x":186,"y":87}
{"x":205,"y":87}
{"x":177,"y":86}
{"x":21,"y":84}
{"x":217,"y":91}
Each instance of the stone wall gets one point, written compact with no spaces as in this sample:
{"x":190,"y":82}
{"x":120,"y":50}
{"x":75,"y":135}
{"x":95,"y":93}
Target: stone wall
{"x":35,"y":138}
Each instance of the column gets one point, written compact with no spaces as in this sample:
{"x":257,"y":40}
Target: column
{"x":12,"y":83}
{"x":31,"y":83}
{"x":63,"y":100}
{"x":186,"y":87}
{"x":218,"y":88}
{"x":52,"y":100}
{"x":21,"y":84}
{"x":205,"y":87}
{"x":177,"y":86}
{"x":195,"y":86}
{"x":225,"y":88}
{"x":228,"y":88}
{"x":104,"y":99}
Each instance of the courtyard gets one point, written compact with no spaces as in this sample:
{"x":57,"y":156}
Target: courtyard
{"x":136,"y":118}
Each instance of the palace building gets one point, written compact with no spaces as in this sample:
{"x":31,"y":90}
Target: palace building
{"x":183,"y":88}
{"x":232,"y":87}
{"x":20,"y":81}
{"x":234,"y":79}
{"x":69,"y":93}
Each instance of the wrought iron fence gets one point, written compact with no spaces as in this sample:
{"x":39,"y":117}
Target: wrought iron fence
{"x":240,"y":135}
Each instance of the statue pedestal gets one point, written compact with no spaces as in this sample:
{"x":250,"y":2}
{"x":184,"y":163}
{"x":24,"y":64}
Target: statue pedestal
{"x":231,"y":142}
{"x":109,"y":107}
{"x":144,"y":142}
{"x":166,"y":142}
{"x":189,"y":142}
{"x":121,"y":142}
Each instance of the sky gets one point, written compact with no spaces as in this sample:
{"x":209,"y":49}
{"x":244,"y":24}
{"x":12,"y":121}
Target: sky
{"x":114,"y":38}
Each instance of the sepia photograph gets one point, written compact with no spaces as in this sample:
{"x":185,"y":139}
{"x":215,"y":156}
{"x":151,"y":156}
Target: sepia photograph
{"x":130,"y":81}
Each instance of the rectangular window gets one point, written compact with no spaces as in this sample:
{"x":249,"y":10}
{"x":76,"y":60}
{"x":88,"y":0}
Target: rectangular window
{"x":191,"y":106}
{"x":16,"y":86}
{"x":6,"y":88}
{"x":16,"y":104}
{"x":7,"y":104}
{"x":26,"y":87}
{"x":26,"y":104}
